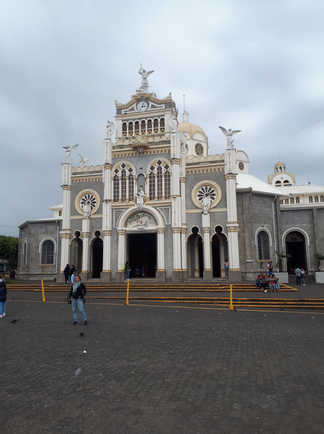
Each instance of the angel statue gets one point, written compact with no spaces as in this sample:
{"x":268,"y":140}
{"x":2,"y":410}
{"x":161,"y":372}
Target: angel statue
{"x":140,"y":198}
{"x":229,"y":135}
{"x":206,"y":203}
{"x":86,"y":210}
{"x":144,"y":74}
{"x":83,"y":161}
{"x":110,"y":127}
{"x":68,"y":151}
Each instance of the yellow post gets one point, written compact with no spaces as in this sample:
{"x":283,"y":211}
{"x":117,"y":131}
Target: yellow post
{"x":127,"y":292}
{"x":231,"y":298}
{"x":43,"y":292}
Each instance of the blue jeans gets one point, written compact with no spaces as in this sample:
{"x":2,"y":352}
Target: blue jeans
{"x":78,"y":302}
{"x":2,"y":307}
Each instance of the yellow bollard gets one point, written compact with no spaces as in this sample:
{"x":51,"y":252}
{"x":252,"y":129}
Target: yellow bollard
{"x":43,"y":292}
{"x":231,"y":307}
{"x":127,"y":293}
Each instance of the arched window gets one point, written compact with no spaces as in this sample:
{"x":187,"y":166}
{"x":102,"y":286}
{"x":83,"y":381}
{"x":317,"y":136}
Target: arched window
{"x":149,"y":126}
{"x":130,"y":185}
{"x":263,"y":245}
{"x":130,"y":128}
{"x":159,"y":182}
{"x":47,"y":253}
{"x":143,"y":127}
{"x":124,"y":129}
{"x":136,"y":128}
{"x":156,"y":125}
{"x":116,"y":188}
{"x":167,"y":183}
{"x":162,"y":127}
{"x":152,"y":185}
{"x":199,"y":149}
{"x":278,"y":183}
{"x":25,"y":253}
{"x":123,"y":185}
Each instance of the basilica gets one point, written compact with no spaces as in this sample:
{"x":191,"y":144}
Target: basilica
{"x":161,"y":204}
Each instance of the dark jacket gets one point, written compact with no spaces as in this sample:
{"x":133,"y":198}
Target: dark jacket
{"x":80,"y":293}
{"x":3,"y":291}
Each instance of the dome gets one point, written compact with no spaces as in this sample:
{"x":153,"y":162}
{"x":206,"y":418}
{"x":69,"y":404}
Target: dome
{"x":191,"y":129}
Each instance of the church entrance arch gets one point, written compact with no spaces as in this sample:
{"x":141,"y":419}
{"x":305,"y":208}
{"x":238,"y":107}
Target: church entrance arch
{"x":219,"y":251}
{"x":295,"y":251}
{"x":76,"y":251}
{"x":195,"y":255}
{"x":141,"y":250}
{"x":97,"y":255}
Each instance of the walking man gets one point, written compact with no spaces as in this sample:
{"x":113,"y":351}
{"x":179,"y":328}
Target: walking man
{"x":3,"y":297}
{"x":77,"y":293}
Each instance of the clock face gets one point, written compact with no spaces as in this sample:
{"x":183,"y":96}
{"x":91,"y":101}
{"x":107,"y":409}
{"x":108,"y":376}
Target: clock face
{"x":142,"y":106}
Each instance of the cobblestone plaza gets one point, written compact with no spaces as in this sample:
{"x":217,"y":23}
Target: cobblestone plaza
{"x":159,"y":370}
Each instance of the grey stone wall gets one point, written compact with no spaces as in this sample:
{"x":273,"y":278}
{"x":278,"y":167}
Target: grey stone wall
{"x":34,"y":233}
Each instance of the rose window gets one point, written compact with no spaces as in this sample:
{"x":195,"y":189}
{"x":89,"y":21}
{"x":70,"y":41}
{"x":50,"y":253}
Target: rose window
{"x":88,"y":199}
{"x":206,"y":191}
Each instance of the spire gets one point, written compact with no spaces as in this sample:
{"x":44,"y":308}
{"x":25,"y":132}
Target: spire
{"x":185,"y":114}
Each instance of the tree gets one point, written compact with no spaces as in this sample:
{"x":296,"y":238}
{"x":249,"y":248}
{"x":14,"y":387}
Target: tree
{"x":9,"y":250}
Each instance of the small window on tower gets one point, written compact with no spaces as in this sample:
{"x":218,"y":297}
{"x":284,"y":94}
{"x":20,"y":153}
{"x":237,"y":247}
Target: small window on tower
{"x":162,"y":128}
{"x":316,"y":198}
{"x":199,"y":149}
{"x":130,"y":128}
{"x":124,"y":129}
{"x":149,"y":126}
{"x":297,"y":200}
{"x":322,"y":198}
{"x":156,"y":125}
{"x":143,"y":127}
{"x":136,"y":128}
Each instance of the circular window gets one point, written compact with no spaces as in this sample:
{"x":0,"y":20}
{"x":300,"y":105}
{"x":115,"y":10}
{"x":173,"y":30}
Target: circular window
{"x":199,"y":149}
{"x":206,"y":190}
{"x":87,"y":200}
{"x":241,"y":165}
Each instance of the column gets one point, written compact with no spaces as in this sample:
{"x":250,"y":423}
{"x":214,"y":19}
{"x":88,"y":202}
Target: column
{"x":206,"y":238}
{"x":176,"y":207}
{"x":65,"y":233}
{"x":107,"y":211}
{"x":121,"y":254}
{"x":184,"y":251}
{"x":85,"y":246}
{"x":161,"y":253}
{"x":176,"y":238}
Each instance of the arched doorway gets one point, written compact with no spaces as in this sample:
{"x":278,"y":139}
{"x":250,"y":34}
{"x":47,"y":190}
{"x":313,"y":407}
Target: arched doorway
{"x":219,"y":251}
{"x":76,"y":251}
{"x":295,"y":251}
{"x":97,"y":255}
{"x":195,"y":254}
{"x":142,"y":254}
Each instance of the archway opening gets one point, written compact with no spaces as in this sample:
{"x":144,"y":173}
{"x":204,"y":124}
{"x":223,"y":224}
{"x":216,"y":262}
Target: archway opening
{"x":295,"y":251}
{"x":142,"y":254}
{"x":97,"y":256}
{"x":195,"y":255}
{"x":76,"y":251}
{"x":219,"y":252}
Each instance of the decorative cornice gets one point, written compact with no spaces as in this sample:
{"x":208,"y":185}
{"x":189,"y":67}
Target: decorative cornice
{"x":230,"y":176}
{"x":175,"y":160}
{"x":65,"y":236}
{"x":121,"y":231}
{"x":87,"y":178}
{"x":85,"y":235}
{"x":160,"y":230}
{"x":67,"y":187}
{"x":202,"y":170}
{"x":131,"y":153}
{"x":183,"y":179}
{"x":206,"y":230}
{"x":176,"y":230}
{"x":107,"y":232}
{"x":233,"y":229}
{"x":107,"y":166}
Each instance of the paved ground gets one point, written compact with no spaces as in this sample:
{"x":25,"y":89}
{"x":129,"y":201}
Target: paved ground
{"x":160,"y":370}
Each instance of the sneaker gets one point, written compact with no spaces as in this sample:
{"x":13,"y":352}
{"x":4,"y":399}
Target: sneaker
{"x":75,"y":322}
{"x":85,"y":322}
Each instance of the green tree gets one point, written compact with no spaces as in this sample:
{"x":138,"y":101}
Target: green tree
{"x":9,"y":250}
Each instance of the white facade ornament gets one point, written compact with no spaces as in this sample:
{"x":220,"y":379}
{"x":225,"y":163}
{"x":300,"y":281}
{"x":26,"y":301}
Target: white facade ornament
{"x":229,"y":136}
{"x":68,"y":151}
{"x":140,"y":198}
{"x":141,"y":220}
{"x":144,"y":74}
{"x":206,"y":203}
{"x":83,"y":160}
{"x":173,"y":123}
{"x":110,"y":128}
{"x":86,"y":210}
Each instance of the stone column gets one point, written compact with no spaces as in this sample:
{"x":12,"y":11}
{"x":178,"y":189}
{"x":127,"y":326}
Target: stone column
{"x":207,"y":255}
{"x":85,"y":247}
{"x":232,"y":223}
{"x":121,"y":254}
{"x":65,"y":233}
{"x":160,"y":275}
{"x":107,"y":211}
{"x":184,"y":252}
{"x":196,"y":256}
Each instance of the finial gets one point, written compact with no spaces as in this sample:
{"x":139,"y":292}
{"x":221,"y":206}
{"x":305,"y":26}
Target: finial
{"x":185,"y":114}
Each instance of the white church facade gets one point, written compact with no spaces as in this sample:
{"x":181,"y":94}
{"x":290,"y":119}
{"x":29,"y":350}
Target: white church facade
{"x":162,"y":204}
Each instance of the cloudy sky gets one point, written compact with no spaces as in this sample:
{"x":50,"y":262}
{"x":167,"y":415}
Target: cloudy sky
{"x":254,"y":65}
